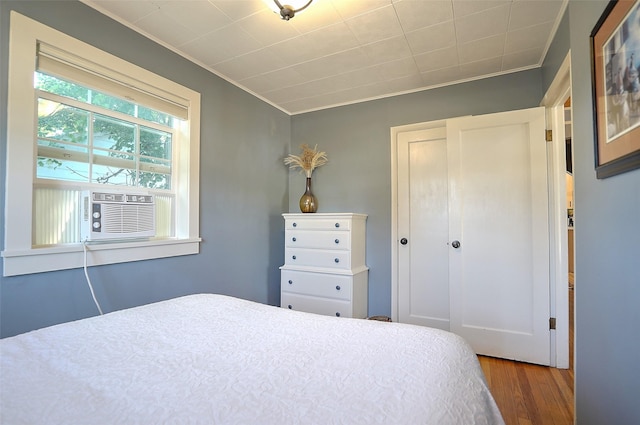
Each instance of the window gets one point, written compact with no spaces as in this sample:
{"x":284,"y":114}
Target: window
{"x":87,"y":138}
{"x":85,"y":119}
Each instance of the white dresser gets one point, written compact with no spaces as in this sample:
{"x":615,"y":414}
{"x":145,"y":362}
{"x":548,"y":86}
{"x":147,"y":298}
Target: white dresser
{"x":324,"y":270}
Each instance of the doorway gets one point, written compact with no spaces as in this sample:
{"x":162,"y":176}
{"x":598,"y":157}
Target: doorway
{"x":570,"y":224}
{"x":557,"y":102}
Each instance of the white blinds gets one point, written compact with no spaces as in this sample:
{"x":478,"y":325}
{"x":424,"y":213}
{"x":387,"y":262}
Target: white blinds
{"x":59,"y":63}
{"x":56,"y":219}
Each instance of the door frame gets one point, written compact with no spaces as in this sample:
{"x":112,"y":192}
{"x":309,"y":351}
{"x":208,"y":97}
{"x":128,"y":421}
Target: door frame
{"x":553,"y":101}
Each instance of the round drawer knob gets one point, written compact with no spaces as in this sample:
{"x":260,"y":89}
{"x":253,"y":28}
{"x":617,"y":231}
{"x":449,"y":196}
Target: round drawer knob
{"x":295,"y":224}
{"x":337,"y":314}
{"x":294,"y":257}
{"x":337,"y":260}
{"x":337,"y":287}
{"x":337,"y":241}
{"x":337,"y":224}
{"x":290,"y":282}
{"x":290,"y":306}
{"x":293,"y":239}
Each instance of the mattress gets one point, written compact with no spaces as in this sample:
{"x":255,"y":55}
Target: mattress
{"x":213,"y":359}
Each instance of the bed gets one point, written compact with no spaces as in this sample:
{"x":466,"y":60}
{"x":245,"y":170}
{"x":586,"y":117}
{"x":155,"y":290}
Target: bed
{"x":214,"y":359}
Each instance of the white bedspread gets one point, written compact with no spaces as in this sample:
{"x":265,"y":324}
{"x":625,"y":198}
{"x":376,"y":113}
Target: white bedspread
{"x":211,"y":359}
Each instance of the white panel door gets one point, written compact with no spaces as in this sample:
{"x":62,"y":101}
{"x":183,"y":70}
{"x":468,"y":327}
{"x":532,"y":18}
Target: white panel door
{"x":423,"y":267}
{"x":480,"y":185}
{"x":498,"y":214}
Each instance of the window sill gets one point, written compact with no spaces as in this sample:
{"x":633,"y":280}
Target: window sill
{"x":38,"y":260}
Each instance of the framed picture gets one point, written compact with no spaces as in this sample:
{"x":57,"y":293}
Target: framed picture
{"x":615,"y":56}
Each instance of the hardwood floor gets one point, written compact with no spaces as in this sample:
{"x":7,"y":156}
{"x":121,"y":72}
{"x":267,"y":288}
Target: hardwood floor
{"x":529,"y":394}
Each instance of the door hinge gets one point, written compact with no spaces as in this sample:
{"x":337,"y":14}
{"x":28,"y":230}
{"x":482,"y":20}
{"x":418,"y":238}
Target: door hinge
{"x":548,"y":135}
{"x":552,"y":323}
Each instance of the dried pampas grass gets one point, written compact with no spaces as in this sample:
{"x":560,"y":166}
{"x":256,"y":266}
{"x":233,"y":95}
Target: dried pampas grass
{"x":309,"y":159}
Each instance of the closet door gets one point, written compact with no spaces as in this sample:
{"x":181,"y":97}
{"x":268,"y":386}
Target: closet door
{"x":423,"y":266}
{"x":476,"y":259}
{"x":498,"y":204}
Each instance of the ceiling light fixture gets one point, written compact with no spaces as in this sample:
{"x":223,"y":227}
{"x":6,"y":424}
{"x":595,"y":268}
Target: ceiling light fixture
{"x":288,"y":11}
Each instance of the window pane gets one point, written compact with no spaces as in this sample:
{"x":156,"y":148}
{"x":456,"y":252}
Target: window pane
{"x":118,"y":176}
{"x":57,"y":121}
{"x":155,"y":180}
{"x":114,"y":168}
{"x":155,"y":143}
{"x":61,"y":169}
{"x":111,"y":133}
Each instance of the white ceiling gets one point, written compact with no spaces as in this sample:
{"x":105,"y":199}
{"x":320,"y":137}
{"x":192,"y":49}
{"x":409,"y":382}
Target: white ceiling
{"x":344,"y":51}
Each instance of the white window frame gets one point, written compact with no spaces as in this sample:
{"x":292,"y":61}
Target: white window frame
{"x":19,"y":256}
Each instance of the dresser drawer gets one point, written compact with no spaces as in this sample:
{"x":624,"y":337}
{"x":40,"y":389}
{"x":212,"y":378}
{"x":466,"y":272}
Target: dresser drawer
{"x":313,"y":223}
{"x":318,"y":239}
{"x":317,"y":258}
{"x":327,"y":307}
{"x":317,"y":284}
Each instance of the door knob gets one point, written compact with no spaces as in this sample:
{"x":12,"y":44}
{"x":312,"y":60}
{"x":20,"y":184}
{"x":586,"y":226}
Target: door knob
{"x":403,"y":241}
{"x":455,"y":244}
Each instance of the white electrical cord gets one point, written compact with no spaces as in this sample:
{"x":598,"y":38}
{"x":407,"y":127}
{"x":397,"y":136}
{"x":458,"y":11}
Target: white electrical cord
{"x":86,"y":274}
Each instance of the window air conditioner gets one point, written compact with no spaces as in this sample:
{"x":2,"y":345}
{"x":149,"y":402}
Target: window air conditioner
{"x":113,"y":215}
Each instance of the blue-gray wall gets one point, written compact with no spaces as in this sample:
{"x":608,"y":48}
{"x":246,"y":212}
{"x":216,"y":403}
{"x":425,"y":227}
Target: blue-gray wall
{"x":607,"y":254}
{"x":557,"y":52}
{"x":243,"y":188}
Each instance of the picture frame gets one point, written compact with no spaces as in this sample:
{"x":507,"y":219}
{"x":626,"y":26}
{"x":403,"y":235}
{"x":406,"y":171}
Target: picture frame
{"x":615,"y":60}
